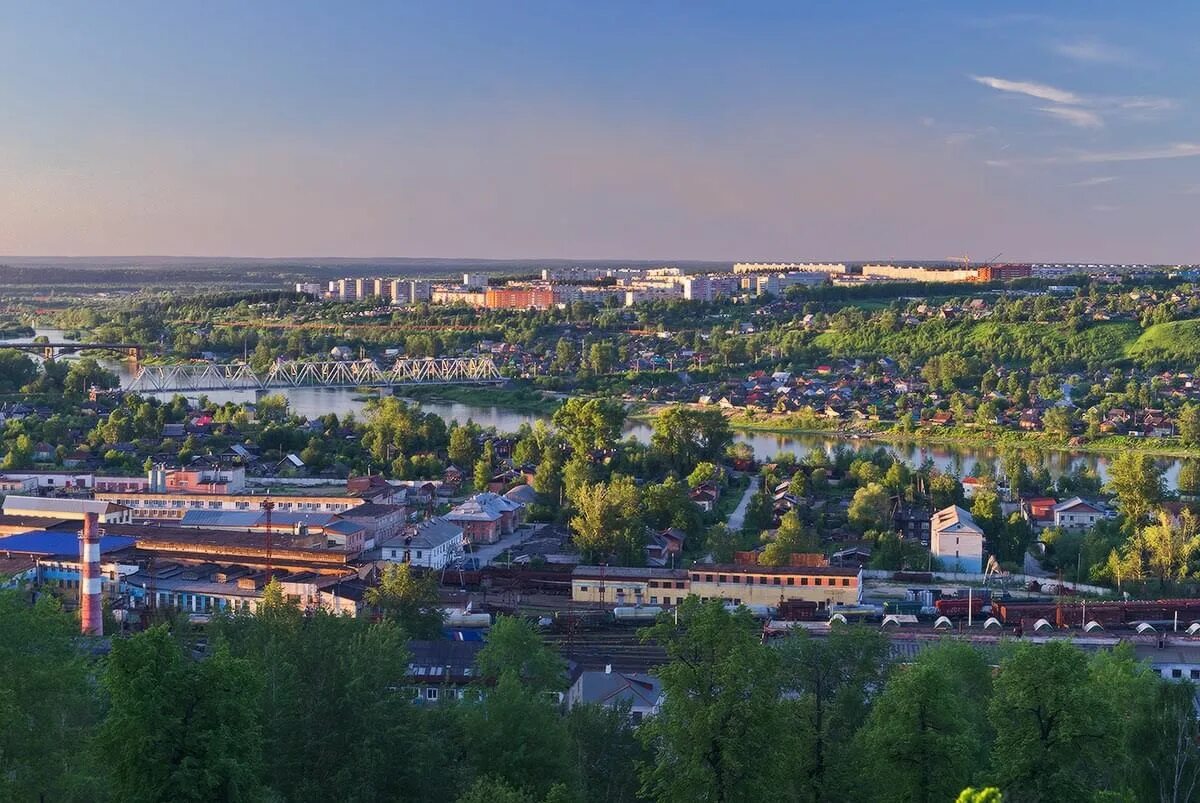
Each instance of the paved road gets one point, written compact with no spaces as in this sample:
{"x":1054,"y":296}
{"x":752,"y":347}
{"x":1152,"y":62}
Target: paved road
{"x":738,"y":516}
{"x":1033,"y":569}
{"x":486,"y":553}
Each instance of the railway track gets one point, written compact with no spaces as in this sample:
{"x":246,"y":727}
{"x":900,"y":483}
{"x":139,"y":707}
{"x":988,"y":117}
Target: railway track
{"x":623,"y":650}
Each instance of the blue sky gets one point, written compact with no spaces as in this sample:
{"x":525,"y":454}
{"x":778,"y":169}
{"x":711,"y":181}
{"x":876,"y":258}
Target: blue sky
{"x":640,"y":130}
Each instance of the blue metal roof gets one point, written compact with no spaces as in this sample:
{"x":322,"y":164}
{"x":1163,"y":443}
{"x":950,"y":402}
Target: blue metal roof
{"x":56,"y":543}
{"x":220,"y":518}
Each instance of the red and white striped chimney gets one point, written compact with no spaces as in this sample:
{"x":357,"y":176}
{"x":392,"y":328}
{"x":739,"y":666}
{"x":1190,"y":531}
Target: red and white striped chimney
{"x":90,"y":609}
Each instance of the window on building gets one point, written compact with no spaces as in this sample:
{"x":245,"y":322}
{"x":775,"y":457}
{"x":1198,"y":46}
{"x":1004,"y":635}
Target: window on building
{"x":583,"y":588}
{"x":431,"y":693}
{"x":721,"y":578}
{"x":791,"y":581}
{"x":803,"y":581}
{"x":654,"y":600}
{"x":816,"y":581}
{"x":1177,"y":673}
{"x":846,"y":581}
{"x":679,"y":584}
{"x":777,"y":580}
{"x":708,"y":578}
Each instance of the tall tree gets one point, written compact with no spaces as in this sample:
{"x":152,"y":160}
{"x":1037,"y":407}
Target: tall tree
{"x":608,"y":522}
{"x":719,"y":736}
{"x":1189,"y":424}
{"x":667,"y":505}
{"x":1137,"y":482}
{"x":178,"y":729}
{"x":1167,"y":547}
{"x":721,"y":543}
{"x":685,"y":437}
{"x":590,"y":425}
{"x":46,"y":705}
{"x":827,"y":683}
{"x":871,"y":508}
{"x":462,"y":448}
{"x":920,"y":738}
{"x":330,"y":710}
{"x":515,"y":734}
{"x":485,"y":467}
{"x":791,"y":538}
{"x":514,"y":646}
{"x":606,"y":748}
{"x":1046,"y":732}
{"x":410,"y":600}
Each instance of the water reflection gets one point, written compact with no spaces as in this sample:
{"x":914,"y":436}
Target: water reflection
{"x":960,"y":460}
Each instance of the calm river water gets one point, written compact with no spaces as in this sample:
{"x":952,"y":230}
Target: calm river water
{"x":313,"y":402}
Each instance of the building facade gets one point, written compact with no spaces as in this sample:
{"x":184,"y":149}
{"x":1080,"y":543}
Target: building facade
{"x":771,"y":585}
{"x":624,"y":585}
{"x":174,"y":505}
{"x":956,"y":540}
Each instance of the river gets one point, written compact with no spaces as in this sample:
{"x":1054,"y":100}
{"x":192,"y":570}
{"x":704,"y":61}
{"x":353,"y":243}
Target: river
{"x":957,"y":459}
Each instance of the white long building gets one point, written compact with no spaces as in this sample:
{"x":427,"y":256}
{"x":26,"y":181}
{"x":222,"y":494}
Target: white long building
{"x":788,"y":267}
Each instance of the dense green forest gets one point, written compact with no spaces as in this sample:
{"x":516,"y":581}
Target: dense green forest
{"x":288,"y":706}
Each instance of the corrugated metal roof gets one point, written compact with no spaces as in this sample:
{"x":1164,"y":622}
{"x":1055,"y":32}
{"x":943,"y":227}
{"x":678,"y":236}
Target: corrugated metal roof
{"x":59,"y":544}
{"x":253,"y":518}
{"x":15,"y":505}
{"x":220,"y":518}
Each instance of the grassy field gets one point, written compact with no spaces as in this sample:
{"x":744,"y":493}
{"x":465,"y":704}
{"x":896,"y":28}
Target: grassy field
{"x":1175,"y":342}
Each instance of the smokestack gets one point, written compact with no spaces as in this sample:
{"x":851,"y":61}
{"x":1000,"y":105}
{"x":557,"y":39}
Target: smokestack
{"x":91,"y":616}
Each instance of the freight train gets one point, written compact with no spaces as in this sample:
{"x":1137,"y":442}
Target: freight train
{"x":1105,"y":614}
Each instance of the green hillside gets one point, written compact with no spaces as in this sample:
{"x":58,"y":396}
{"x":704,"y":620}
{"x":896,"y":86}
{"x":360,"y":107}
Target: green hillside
{"x":989,"y":341}
{"x":1176,"y":343}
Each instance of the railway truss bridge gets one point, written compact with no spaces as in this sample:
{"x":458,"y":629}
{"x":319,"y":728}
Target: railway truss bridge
{"x":49,"y":351}
{"x":210,"y":377}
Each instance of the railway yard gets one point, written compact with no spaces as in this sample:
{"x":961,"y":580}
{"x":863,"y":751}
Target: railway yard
{"x":593,"y":636}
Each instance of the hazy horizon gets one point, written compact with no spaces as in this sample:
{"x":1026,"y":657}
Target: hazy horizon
{"x":708,"y":132}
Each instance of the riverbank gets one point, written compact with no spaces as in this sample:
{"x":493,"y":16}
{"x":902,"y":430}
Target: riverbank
{"x":14,"y":331}
{"x":967,"y":437}
{"x":520,"y":400}
{"x":988,"y":438}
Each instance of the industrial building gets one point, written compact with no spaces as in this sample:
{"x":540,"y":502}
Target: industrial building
{"x":432,"y":544}
{"x":739,"y":584}
{"x":159,"y":506}
{"x":108,"y":511}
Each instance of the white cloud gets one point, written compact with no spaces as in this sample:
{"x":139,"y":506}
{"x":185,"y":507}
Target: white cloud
{"x":1079,"y":110}
{"x":1178,"y":150}
{"x":1080,"y":118}
{"x":1148,"y":104}
{"x":1093,"y":182}
{"x":1092,"y":51}
{"x":1030,"y":88}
